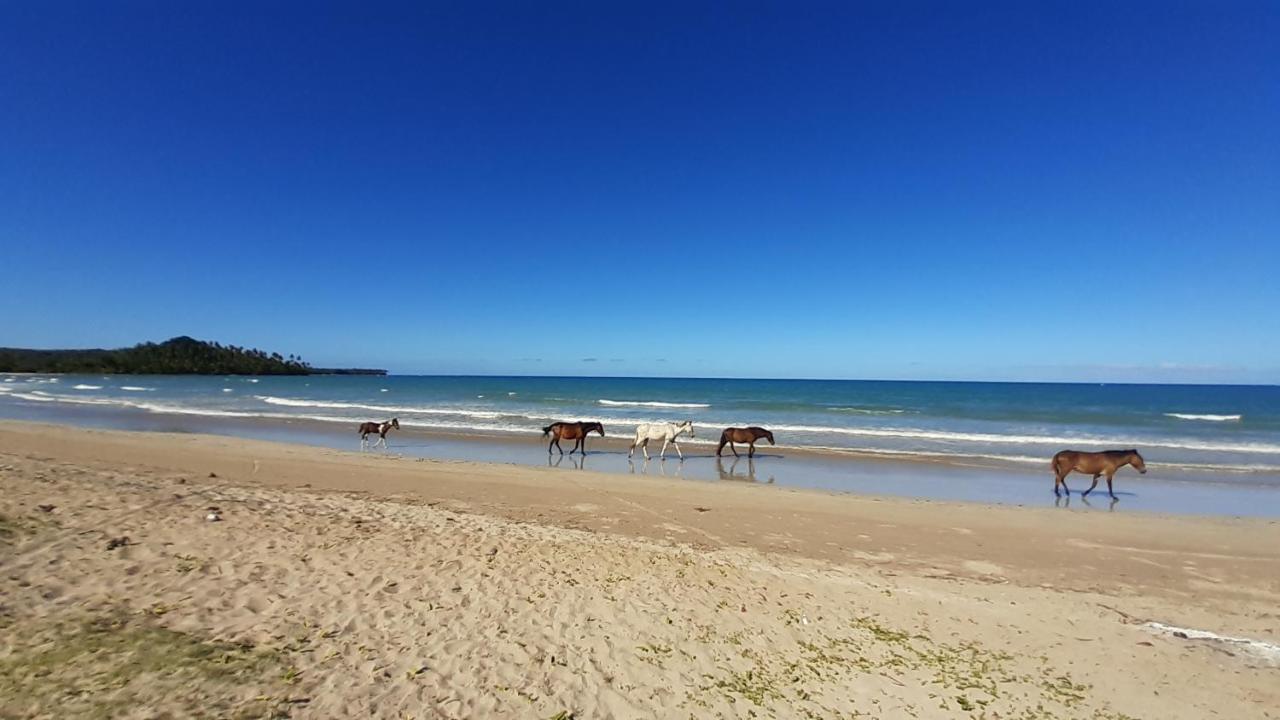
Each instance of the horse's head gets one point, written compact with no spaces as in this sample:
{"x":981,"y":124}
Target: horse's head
{"x":769,"y":436}
{"x":395,"y":423}
{"x":1137,"y":462}
{"x":687,"y":425}
{"x":598,"y":427}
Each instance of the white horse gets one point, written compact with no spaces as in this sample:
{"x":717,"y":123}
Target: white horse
{"x":665,"y":431}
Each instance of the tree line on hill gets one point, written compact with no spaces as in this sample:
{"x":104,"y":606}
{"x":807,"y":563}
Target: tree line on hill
{"x":178,"y":356}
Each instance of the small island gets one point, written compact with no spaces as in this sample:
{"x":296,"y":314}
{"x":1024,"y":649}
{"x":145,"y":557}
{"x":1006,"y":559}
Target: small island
{"x":177,"y":356}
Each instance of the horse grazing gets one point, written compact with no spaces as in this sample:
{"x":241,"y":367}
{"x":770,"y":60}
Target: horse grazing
{"x":743,"y":435}
{"x":571,"y":431}
{"x":369,"y":428}
{"x":667,"y":432}
{"x":1093,"y":463}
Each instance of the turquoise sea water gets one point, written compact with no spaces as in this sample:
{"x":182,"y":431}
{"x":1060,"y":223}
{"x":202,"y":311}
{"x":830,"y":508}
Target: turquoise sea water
{"x":1224,"y":433}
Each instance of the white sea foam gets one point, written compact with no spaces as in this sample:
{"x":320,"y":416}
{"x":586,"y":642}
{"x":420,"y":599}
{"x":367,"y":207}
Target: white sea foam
{"x":136,"y":388}
{"x":227,"y":390}
{"x":87,"y":387}
{"x":383,"y":390}
{"x":295,"y":402}
{"x":947,"y":436}
{"x":1206,"y":417}
{"x":866,"y":411}
{"x":253,"y":380}
{"x":1267,"y":651}
{"x":639,"y":403}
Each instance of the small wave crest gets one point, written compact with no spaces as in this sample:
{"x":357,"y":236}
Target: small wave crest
{"x":654,"y":404}
{"x":1016,"y":439}
{"x":866,"y":411}
{"x":299,"y":403}
{"x":136,"y":388}
{"x":1206,"y":417}
{"x":86,"y":387}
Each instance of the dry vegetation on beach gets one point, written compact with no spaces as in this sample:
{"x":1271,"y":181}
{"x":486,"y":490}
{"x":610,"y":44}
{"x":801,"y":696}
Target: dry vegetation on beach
{"x":339,"y":585}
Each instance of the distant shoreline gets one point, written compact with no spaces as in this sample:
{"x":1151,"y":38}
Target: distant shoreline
{"x":181,"y":355}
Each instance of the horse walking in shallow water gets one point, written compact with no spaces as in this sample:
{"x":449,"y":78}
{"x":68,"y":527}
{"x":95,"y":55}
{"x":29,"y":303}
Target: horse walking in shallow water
{"x":369,"y":428}
{"x":743,"y":435}
{"x":1093,"y":463}
{"x":571,"y":431}
{"x":667,"y":432}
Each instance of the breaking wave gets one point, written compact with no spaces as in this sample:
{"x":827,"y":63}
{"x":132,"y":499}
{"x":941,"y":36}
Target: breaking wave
{"x":654,"y":404}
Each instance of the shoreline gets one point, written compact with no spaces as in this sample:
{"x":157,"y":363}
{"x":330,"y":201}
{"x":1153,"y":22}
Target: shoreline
{"x":1160,"y":491}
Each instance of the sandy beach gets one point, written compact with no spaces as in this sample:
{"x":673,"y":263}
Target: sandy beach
{"x":338,"y":584}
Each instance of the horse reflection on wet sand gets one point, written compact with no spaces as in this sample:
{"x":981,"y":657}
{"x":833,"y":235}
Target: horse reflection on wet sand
{"x":732,"y":472}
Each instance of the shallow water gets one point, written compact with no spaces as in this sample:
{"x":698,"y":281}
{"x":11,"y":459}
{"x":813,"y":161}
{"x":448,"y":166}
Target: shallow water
{"x":1165,"y":490}
{"x":1220,"y":431}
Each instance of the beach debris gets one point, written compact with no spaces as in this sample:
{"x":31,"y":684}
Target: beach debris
{"x":46,"y":508}
{"x":699,"y":508}
{"x":215,"y":514}
{"x":213,"y":475}
{"x":122,"y":541}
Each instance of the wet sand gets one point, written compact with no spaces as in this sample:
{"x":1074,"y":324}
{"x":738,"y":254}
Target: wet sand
{"x":1160,"y":491}
{"x":340,"y":583}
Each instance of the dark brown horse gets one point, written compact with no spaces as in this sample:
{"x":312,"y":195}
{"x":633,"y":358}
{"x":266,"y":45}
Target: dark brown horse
{"x":369,"y":428}
{"x":571,"y":431}
{"x":1095,"y":464}
{"x":743,"y":435}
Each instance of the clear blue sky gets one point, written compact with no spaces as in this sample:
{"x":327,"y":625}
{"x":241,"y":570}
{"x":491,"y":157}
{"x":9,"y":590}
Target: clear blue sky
{"x":1021,"y":190}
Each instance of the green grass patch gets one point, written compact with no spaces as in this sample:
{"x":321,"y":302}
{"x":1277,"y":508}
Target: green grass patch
{"x":104,"y":666}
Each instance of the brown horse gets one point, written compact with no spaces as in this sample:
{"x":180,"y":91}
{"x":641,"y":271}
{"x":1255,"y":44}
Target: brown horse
{"x":369,"y":428}
{"x":571,"y":431}
{"x":1093,"y":463}
{"x":743,"y":435}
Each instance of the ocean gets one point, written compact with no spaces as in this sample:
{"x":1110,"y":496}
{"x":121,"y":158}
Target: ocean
{"x":1221,"y":433}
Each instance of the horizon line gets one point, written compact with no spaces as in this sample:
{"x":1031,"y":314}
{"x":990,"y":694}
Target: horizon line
{"x":823,"y":379}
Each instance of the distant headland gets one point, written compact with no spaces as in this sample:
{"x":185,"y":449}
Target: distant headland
{"x":177,"y":356}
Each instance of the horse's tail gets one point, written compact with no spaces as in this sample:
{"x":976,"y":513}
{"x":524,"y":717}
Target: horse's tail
{"x":547,"y":430}
{"x":1056,"y":462}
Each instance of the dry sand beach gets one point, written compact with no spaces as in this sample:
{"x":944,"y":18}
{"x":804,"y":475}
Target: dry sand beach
{"x":339,"y":585}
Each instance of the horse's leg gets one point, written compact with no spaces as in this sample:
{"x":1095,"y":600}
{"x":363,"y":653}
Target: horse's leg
{"x":677,"y":444}
{"x":663,"y":455}
{"x":1094,"y":485}
{"x":632,"y":451}
{"x":1110,"y":492}
{"x":734,"y":449}
{"x":1063,"y":479}
{"x":751,"y":451}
